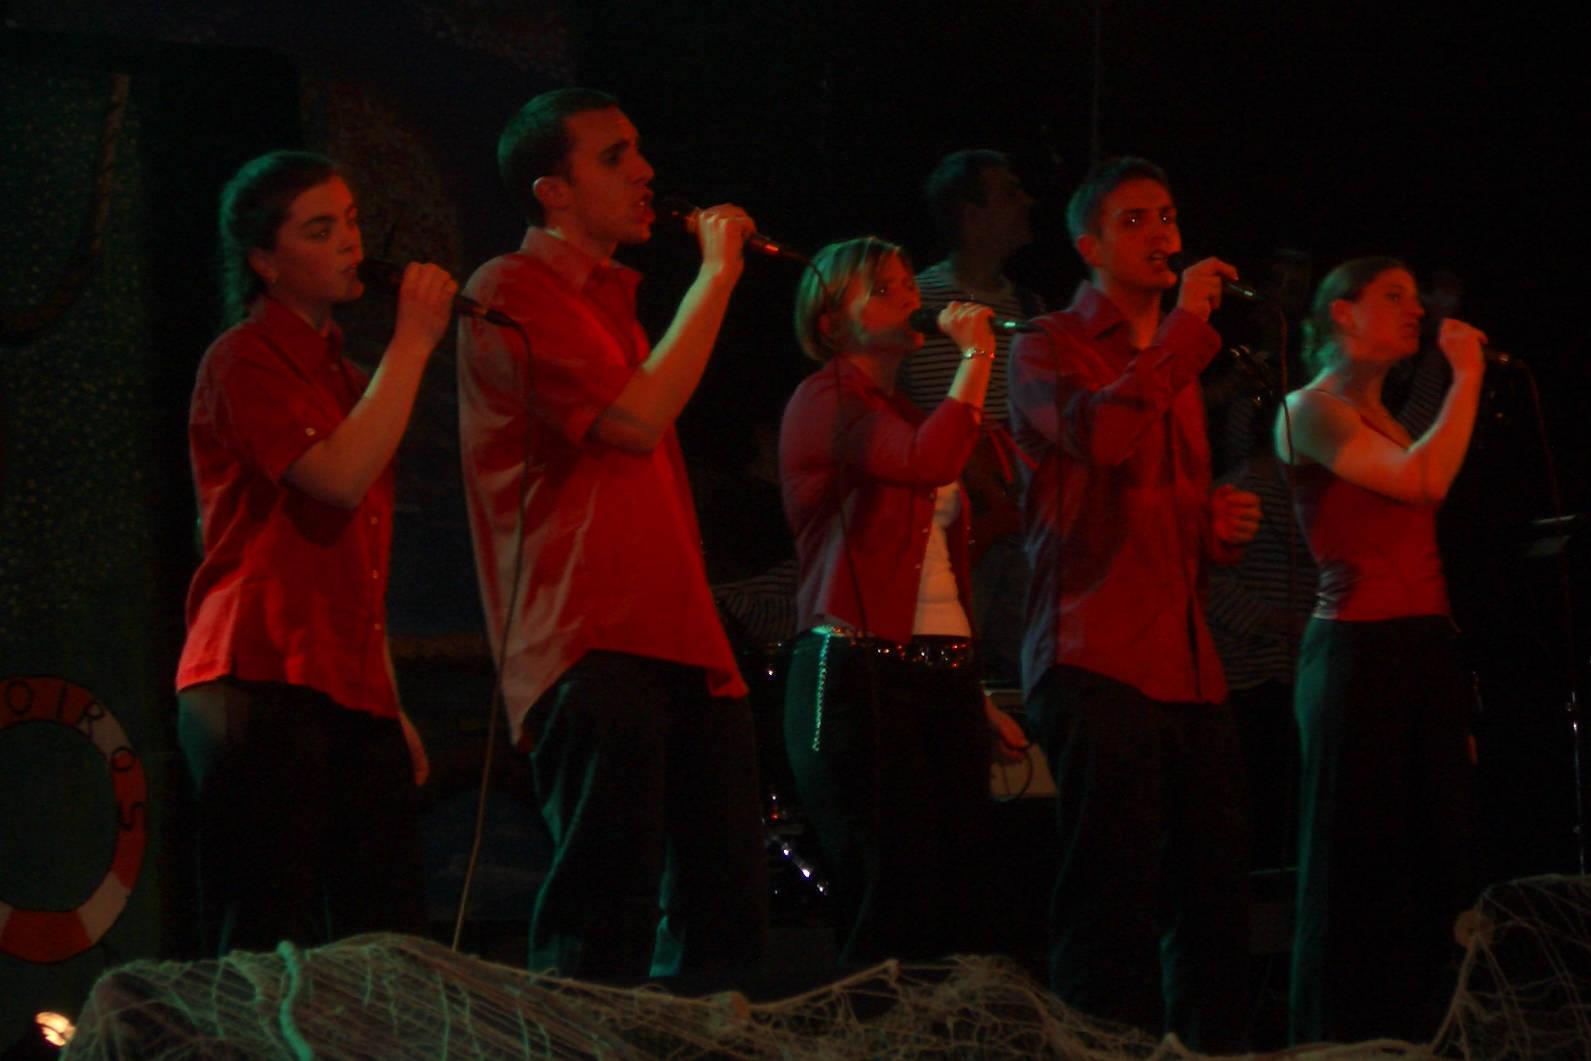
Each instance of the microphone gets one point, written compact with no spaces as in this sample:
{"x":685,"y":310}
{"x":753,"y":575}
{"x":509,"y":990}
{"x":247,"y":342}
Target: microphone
{"x":1235,"y":288}
{"x":926,"y":320}
{"x":1500,"y":357}
{"x":388,"y":276}
{"x":676,"y":209}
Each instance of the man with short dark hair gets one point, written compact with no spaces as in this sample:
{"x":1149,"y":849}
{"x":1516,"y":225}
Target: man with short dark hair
{"x":1122,"y":676}
{"x":616,"y":674}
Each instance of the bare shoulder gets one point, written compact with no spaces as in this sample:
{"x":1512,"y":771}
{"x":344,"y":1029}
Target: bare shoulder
{"x":1317,"y":421}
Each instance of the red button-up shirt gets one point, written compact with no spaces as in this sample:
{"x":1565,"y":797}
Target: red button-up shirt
{"x":1117,"y":512}
{"x":290,"y":589}
{"x":612,"y":553}
{"x":845,"y":445}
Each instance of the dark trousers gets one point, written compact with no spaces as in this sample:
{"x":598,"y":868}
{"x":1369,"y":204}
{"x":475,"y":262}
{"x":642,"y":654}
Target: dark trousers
{"x":1150,"y":915}
{"x":308,"y":822}
{"x":1386,"y":825}
{"x":891,"y":761}
{"x":649,"y":788}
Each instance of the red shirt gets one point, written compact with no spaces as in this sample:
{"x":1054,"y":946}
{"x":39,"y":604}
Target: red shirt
{"x":1378,"y":557}
{"x":290,"y":589}
{"x":1117,"y":512}
{"x":612,"y":554}
{"x":845,"y":442}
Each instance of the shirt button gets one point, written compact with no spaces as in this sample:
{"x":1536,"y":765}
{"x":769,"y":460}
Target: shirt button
{"x":376,"y":626}
{"x":375,"y":573}
{"x":310,"y":431}
{"x":374,"y":521}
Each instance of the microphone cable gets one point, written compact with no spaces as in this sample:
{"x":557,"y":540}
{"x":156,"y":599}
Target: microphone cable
{"x":499,"y":700}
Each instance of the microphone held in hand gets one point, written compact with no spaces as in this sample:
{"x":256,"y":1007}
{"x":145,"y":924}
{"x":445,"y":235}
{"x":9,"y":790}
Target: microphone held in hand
{"x":389,"y":277}
{"x":1235,"y":288}
{"x":683,"y":213}
{"x":926,"y":321}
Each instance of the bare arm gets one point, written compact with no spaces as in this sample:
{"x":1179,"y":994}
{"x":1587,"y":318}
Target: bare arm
{"x":1330,"y":432}
{"x":339,"y":469}
{"x":665,"y":381}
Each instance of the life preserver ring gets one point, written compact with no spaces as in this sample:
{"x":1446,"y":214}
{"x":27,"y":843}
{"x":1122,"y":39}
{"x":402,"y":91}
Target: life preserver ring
{"x":56,"y":935}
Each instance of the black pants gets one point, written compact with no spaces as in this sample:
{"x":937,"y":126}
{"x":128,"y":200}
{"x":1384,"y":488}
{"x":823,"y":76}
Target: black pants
{"x":649,"y":788}
{"x":1386,"y":823}
{"x":891,"y":761}
{"x":308,"y":826}
{"x":1150,"y":915}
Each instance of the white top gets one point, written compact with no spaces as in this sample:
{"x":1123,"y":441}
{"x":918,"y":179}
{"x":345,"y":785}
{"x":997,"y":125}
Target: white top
{"x":939,"y":608}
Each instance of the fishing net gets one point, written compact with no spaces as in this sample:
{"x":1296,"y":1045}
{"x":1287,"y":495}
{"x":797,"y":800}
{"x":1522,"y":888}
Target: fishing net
{"x":1524,"y":991}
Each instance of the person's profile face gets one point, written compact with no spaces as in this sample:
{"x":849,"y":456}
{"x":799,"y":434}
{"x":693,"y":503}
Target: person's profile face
{"x":606,"y":178}
{"x":1005,"y":213}
{"x":1383,"y":323}
{"x":876,"y":313}
{"x":313,"y":262}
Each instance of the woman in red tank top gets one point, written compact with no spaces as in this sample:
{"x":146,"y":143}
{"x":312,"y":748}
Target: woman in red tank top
{"x":1386,"y":813}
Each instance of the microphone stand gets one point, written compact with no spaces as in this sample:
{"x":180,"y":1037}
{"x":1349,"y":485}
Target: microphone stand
{"x":1564,"y":526}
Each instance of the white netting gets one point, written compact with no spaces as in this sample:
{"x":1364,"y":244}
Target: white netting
{"x":1525,"y":987}
{"x":1524,"y":991}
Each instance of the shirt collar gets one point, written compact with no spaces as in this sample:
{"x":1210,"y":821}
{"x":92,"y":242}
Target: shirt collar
{"x":293,"y":333}
{"x":1098,"y":313}
{"x":573,"y":264}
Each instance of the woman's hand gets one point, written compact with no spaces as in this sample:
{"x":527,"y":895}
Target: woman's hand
{"x":425,"y":308}
{"x":1463,"y":345}
{"x":967,"y":324}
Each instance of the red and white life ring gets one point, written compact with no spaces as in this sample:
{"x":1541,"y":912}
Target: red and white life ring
{"x":56,"y":935}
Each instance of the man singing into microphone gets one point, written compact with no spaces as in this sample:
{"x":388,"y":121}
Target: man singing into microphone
{"x":617,"y":677}
{"x":1120,"y":670}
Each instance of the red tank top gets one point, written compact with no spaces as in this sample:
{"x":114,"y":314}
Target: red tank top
{"x":1377,"y":556}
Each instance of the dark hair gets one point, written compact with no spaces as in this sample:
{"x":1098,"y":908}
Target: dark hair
{"x":254,"y":203}
{"x":1104,"y":177}
{"x":535,"y":142}
{"x":822,"y":287}
{"x":1347,"y":281}
{"x":956,"y":181}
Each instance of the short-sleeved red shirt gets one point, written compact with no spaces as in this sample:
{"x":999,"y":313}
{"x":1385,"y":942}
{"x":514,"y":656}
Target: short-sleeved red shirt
{"x":290,"y":589}
{"x":1118,"y":510}
{"x":846,"y":446}
{"x":612,"y":552}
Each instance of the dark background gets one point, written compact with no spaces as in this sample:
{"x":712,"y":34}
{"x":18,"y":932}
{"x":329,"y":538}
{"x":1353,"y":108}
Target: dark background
{"x":1442,"y":133}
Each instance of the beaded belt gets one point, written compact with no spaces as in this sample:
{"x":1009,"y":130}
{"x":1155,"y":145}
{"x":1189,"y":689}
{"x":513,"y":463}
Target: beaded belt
{"x":933,"y":652}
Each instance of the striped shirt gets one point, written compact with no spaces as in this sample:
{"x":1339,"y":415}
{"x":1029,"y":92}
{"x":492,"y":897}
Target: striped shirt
{"x":925,"y":377}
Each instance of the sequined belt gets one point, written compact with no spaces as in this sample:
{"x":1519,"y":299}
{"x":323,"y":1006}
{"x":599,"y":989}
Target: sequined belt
{"x":929,"y":651}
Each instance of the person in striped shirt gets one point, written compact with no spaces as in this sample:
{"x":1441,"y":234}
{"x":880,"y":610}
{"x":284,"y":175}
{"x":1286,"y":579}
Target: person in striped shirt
{"x":982,"y":212}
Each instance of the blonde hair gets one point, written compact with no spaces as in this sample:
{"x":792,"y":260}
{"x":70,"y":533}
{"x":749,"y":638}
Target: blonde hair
{"x":822,"y":287}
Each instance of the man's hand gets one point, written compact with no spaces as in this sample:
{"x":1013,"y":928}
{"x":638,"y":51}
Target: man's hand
{"x":1008,"y":744}
{"x":1201,"y":286}
{"x":1234,"y":515}
{"x":722,"y":231}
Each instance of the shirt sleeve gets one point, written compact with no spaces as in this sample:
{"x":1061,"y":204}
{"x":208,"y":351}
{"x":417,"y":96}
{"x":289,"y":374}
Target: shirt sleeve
{"x":1068,"y":391}
{"x":842,"y":425}
{"x":262,"y":407}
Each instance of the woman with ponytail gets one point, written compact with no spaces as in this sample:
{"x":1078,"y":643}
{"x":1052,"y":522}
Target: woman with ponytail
{"x":1381,"y":698}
